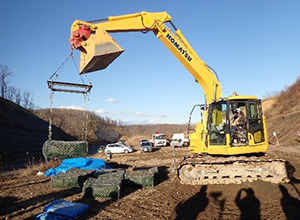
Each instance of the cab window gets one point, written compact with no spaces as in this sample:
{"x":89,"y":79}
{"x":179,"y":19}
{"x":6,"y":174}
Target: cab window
{"x":217,"y":131}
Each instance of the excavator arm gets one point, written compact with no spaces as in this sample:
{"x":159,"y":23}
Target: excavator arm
{"x":98,"y":49}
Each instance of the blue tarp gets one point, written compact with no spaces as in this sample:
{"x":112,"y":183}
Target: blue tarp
{"x":62,"y":210}
{"x":79,"y":163}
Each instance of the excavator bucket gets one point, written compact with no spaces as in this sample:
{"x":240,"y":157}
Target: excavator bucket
{"x":98,"y":52}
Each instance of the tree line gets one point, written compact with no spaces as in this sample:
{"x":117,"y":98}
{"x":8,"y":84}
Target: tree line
{"x":12,"y":93}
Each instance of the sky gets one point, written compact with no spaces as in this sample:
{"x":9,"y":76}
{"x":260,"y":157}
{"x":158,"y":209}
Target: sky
{"x":254,"y":46}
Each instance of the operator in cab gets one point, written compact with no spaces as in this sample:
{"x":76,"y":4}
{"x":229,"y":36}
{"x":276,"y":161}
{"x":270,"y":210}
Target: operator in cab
{"x":238,"y":125}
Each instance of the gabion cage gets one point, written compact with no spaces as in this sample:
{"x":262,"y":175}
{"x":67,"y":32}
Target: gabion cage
{"x":104,"y":185}
{"x":73,"y":178}
{"x":112,"y":173}
{"x":142,"y":178}
{"x":65,"y":149}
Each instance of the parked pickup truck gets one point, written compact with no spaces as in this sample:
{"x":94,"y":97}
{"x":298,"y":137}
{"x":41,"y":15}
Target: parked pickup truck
{"x":178,"y":140}
{"x":159,"y":140}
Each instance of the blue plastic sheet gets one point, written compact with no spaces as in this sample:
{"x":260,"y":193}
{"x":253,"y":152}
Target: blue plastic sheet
{"x":62,"y":210}
{"x":79,"y":163}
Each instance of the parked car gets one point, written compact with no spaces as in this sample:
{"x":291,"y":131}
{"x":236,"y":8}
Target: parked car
{"x":145,"y":146}
{"x":117,"y":148}
{"x":144,"y":141}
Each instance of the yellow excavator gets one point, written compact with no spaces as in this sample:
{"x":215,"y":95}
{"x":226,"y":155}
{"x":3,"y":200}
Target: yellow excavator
{"x":230,"y":141}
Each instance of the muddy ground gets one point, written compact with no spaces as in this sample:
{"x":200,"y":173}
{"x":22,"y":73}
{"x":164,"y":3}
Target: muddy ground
{"x":23,"y":194}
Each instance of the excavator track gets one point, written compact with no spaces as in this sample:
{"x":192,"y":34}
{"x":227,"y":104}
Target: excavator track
{"x":208,"y":169}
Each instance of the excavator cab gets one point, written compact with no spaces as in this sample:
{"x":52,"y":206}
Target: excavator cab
{"x":236,"y":123}
{"x":232,"y":126}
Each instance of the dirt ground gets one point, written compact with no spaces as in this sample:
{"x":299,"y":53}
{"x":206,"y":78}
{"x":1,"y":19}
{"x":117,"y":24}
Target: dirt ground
{"x":24,"y":194}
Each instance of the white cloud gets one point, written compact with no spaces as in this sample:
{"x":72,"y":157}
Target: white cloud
{"x":101,"y":112}
{"x":72,"y":107}
{"x":160,"y":116}
{"x":140,"y":114}
{"x":143,"y":114}
{"x":111,"y":100}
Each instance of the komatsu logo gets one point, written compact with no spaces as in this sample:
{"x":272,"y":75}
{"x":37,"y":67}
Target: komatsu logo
{"x":179,"y":48}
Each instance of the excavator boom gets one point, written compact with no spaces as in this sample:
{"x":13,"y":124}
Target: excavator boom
{"x":98,"y":49}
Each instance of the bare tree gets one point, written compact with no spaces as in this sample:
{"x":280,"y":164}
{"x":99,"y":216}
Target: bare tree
{"x":17,"y":96}
{"x":5,"y":73}
{"x":14,"y":94}
{"x":10,"y":94}
{"x":27,"y":101}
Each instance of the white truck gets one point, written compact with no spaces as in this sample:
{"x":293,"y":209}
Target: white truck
{"x":159,"y":140}
{"x":178,"y":140}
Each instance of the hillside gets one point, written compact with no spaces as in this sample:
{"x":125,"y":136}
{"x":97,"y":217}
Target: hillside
{"x":22,"y":134}
{"x":102,"y":130}
{"x":134,"y":133}
{"x":168,"y":129}
{"x":282,"y":114}
{"x":74,"y":122}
